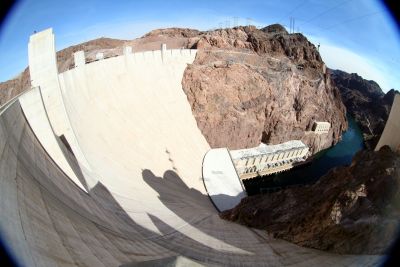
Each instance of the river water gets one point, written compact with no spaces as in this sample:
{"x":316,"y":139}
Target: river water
{"x":338,"y":155}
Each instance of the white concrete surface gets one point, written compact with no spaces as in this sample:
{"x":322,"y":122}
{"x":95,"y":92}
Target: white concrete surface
{"x":221,"y":180}
{"x":79,"y":58}
{"x":99,"y":56}
{"x":321,"y":127}
{"x":146,"y":199}
{"x":391,"y":133}
{"x":44,"y":74}
{"x":128,"y":50}
{"x":35,"y":113}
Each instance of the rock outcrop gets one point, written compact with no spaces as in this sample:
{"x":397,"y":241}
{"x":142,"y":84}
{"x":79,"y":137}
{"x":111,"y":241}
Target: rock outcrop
{"x":251,"y":85}
{"x":246,"y":85}
{"x":366,"y":102}
{"x":13,"y":87}
{"x":354,"y":209}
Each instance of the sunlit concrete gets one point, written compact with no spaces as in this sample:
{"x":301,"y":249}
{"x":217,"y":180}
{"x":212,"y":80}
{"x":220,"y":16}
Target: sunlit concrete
{"x":391,"y":133}
{"x":79,"y":58}
{"x":321,"y":127}
{"x":34,"y":111}
{"x":144,"y":197}
{"x":221,"y":179}
{"x":44,"y":74}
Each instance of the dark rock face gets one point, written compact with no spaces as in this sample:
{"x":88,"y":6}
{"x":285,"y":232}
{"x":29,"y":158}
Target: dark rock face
{"x":353,"y":209}
{"x":275,"y":28}
{"x":249,"y":85}
{"x":366,"y":102}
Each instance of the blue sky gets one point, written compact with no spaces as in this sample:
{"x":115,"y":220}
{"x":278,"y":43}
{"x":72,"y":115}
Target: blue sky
{"x":355,"y":35}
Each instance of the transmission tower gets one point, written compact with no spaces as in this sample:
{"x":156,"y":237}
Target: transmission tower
{"x":292,"y":25}
{"x":249,"y":21}
{"x":235,"y":21}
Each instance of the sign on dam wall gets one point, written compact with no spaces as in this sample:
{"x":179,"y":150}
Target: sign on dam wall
{"x":144,"y":196}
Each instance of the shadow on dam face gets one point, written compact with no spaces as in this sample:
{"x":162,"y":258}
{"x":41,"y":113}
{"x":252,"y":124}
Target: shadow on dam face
{"x":170,"y":241}
{"x":61,"y":222}
{"x":93,"y":228}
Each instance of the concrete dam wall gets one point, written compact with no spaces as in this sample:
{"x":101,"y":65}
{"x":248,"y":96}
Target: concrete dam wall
{"x":390,"y":135}
{"x":102,"y":166}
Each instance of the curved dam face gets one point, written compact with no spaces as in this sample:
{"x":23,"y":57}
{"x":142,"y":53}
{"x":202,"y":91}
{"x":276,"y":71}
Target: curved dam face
{"x":102,"y":166}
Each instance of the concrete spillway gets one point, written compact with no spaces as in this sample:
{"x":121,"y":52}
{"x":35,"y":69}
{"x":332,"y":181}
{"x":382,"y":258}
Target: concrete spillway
{"x":102,"y":166}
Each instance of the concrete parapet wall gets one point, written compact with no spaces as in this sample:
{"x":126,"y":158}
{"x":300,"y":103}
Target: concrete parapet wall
{"x":391,"y":133}
{"x":99,"y":56}
{"x":128,"y":50}
{"x":79,"y":58}
{"x":164,"y":55}
{"x":35,"y":113}
{"x":44,"y":74}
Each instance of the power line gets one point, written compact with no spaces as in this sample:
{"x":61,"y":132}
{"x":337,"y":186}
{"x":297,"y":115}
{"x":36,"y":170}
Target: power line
{"x":327,"y":11}
{"x":352,"y":19}
{"x":347,"y":20}
{"x":294,"y":9}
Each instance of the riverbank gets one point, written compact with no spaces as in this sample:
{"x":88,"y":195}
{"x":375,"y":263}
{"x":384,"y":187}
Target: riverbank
{"x":350,"y":210}
{"x":339,"y":155}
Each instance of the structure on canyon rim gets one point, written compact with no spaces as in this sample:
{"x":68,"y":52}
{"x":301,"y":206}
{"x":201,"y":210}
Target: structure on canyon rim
{"x":321,"y":127}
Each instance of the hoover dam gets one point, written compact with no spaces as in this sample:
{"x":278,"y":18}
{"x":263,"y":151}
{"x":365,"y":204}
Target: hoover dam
{"x":104,"y":165}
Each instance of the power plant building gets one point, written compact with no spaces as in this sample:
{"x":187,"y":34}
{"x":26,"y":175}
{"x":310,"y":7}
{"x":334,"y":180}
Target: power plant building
{"x":268,"y":159}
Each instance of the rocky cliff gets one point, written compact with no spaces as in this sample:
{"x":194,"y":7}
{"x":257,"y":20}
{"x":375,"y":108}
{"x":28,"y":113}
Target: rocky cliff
{"x":354,"y":209}
{"x":366,"y":102}
{"x":246,"y":85}
{"x":251,"y":85}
